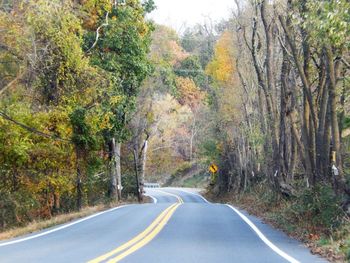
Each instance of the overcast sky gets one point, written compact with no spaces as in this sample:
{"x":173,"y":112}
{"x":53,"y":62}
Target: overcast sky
{"x":180,"y":13}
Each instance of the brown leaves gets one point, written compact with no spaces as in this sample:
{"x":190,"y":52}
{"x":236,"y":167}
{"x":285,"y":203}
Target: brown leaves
{"x":189,"y":93}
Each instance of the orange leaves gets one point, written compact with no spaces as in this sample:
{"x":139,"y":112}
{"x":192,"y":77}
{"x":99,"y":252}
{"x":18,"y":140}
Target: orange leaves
{"x":314,"y":237}
{"x":189,"y":93}
{"x":165,"y":46}
{"x":222,"y":66}
{"x":90,"y":22}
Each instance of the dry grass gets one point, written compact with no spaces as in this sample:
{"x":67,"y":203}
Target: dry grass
{"x":59,"y":219}
{"x":63,"y":218}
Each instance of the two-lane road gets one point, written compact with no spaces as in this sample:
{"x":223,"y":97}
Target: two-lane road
{"x":181,"y":226}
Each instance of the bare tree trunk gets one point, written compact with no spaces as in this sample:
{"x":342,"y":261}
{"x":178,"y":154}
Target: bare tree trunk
{"x":309,"y":115}
{"x":321,"y":143}
{"x":272,"y":111}
{"x":118,"y":170}
{"x":326,"y":147}
{"x":340,"y":180}
{"x":143,"y":166}
{"x":283,"y":114}
{"x":191,"y":145}
{"x":293,"y":157}
{"x":136,"y":169}
{"x":114,"y":170}
{"x":79,"y":179}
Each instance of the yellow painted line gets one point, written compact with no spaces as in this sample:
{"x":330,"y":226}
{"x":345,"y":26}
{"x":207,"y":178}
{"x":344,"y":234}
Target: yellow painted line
{"x":133,"y":240}
{"x":147,"y":239}
{"x":179,"y":199}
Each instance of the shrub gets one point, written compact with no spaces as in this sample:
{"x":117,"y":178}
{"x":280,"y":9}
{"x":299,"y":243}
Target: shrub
{"x":319,"y":206}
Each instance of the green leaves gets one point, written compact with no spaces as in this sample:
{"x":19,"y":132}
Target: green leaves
{"x":82,"y":136}
{"x":191,"y":67}
{"x":122,"y":52}
{"x":329,"y":22}
{"x":58,"y":35}
{"x":67,"y":92}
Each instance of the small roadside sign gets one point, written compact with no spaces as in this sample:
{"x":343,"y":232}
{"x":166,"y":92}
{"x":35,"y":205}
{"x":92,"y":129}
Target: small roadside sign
{"x":213,"y":168}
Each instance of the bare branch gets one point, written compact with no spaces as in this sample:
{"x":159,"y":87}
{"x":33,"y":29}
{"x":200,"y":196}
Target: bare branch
{"x":9,"y":85}
{"x":346,"y":63}
{"x":98,"y":32}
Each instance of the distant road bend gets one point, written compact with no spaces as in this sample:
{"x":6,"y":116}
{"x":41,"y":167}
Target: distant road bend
{"x":179,"y":227}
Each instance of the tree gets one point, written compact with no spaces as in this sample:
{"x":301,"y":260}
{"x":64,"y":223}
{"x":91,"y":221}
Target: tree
{"x":122,"y":52}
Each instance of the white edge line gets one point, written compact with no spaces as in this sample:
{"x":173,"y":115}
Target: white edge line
{"x":189,"y":192}
{"x":59,"y":228}
{"x":264,"y":238}
{"x":153,"y":198}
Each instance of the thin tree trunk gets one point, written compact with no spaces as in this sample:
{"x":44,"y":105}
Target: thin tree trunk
{"x":79,"y":179}
{"x":283,"y":114}
{"x":333,"y":107}
{"x":270,"y":100}
{"x":143,"y":166}
{"x":136,"y":169}
{"x":114,"y":170}
{"x":340,"y":180}
{"x":118,"y":170}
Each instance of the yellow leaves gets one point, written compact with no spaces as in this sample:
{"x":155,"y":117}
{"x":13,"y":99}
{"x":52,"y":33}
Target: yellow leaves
{"x":150,"y":117}
{"x":105,"y":123}
{"x":115,"y":100}
{"x":189,"y":93}
{"x":222,"y":66}
{"x":222,"y":69}
{"x":144,"y":30}
{"x":219,"y":146}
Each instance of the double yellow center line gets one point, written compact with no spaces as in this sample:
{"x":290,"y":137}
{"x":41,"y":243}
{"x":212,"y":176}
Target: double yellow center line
{"x":140,"y":240}
{"x":179,"y":199}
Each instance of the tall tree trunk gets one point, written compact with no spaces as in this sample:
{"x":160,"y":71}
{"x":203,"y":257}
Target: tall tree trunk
{"x":309,"y":115}
{"x":293,"y":156}
{"x":326,"y":147}
{"x":333,"y":107}
{"x":118,"y":169}
{"x":114,"y":170}
{"x":143,"y":166}
{"x":136,"y":169}
{"x":270,"y":72}
{"x":321,"y":141}
{"x":283,"y":114}
{"x":79,"y":189}
{"x":340,"y":180}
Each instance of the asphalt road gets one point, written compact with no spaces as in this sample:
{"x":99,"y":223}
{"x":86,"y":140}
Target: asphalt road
{"x":179,"y":227}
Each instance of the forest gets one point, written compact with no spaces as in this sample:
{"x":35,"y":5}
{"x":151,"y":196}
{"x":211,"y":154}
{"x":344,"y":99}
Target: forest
{"x":96,"y":99}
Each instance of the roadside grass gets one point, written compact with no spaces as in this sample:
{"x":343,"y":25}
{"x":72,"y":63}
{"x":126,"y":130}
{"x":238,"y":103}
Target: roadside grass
{"x":35,"y":226}
{"x":38,"y":225}
{"x":325,"y":233}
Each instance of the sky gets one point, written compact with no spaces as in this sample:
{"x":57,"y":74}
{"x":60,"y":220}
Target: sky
{"x":183,"y":13}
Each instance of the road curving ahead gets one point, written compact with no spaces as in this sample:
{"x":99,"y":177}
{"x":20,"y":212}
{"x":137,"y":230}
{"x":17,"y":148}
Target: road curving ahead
{"x":180,"y":226}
